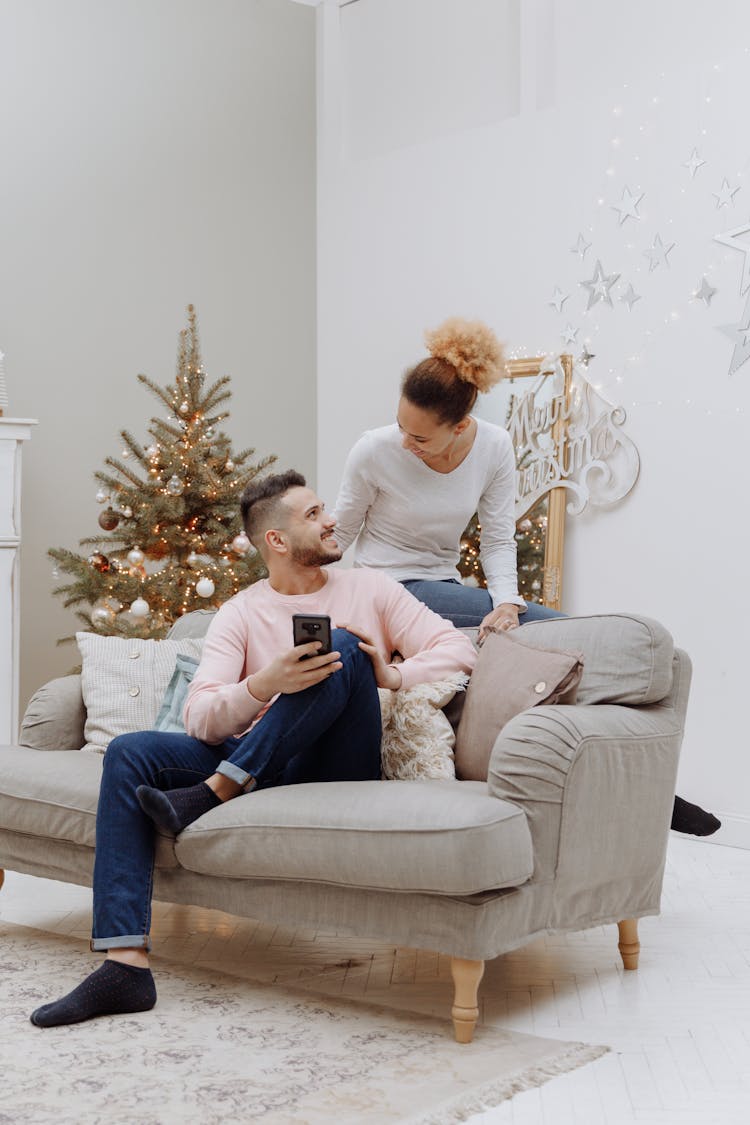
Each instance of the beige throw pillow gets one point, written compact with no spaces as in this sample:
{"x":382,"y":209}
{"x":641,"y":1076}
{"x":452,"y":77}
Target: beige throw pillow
{"x":418,"y":740}
{"x":509,"y":677}
{"x":123,"y":683}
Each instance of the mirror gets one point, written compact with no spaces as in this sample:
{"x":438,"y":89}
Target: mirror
{"x":533,"y":403}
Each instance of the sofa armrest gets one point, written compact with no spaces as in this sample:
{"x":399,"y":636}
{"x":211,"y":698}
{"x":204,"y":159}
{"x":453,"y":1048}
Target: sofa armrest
{"x":597,"y":786}
{"x":55,"y":716}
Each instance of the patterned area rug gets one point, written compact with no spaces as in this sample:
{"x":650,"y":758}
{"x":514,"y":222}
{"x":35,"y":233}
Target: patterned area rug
{"x":217,"y":1049}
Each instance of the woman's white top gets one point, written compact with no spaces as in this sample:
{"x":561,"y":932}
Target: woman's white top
{"x":408,"y":519}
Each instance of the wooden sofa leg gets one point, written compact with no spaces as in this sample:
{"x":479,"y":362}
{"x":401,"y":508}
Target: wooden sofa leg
{"x":2,"y":877}
{"x":466,"y":978}
{"x":628,"y":944}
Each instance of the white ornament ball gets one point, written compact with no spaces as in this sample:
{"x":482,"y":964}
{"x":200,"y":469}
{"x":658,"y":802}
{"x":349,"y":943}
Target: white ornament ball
{"x":229,"y":466}
{"x":241,"y":544}
{"x":101,"y":615}
{"x":135,"y":557}
{"x":140,"y":608}
{"x":126,"y":512}
{"x":175,"y":487}
{"x":470,"y":580}
{"x":192,"y":559}
{"x":152,"y":452}
{"x":204,"y":587}
{"x":102,"y":497}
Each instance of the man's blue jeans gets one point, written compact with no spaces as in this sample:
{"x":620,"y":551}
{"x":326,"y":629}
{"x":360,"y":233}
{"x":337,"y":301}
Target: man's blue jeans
{"x":328,"y":732}
{"x":467,"y":606}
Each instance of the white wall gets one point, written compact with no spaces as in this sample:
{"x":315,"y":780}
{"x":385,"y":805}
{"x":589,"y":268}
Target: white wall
{"x":471,"y":208}
{"x":152,"y":153}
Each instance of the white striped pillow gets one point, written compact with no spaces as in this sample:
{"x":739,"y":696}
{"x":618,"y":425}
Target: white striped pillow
{"x":123,"y":682}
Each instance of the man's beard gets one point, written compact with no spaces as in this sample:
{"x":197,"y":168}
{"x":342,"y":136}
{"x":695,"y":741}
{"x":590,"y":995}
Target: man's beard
{"x":314,"y":556}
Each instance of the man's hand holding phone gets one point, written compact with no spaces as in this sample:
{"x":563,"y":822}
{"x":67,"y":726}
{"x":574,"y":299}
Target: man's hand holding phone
{"x":292,"y":671}
{"x":309,"y":662}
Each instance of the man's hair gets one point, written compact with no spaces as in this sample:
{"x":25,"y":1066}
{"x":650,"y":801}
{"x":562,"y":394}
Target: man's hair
{"x":260,"y":502}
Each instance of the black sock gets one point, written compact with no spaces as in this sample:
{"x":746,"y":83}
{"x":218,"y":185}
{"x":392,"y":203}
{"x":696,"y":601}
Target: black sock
{"x":112,"y":988}
{"x":693,"y":819}
{"x":173,"y":809}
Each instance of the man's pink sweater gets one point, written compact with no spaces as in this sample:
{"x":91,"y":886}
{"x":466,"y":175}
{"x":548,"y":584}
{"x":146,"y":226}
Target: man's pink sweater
{"x":255,"y":626}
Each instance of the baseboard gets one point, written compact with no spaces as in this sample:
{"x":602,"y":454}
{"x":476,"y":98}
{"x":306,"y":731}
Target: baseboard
{"x":734,"y":832}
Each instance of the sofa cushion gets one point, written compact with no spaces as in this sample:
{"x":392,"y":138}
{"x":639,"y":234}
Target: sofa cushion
{"x":123,"y":681}
{"x":54,"y":797}
{"x":434,"y":837}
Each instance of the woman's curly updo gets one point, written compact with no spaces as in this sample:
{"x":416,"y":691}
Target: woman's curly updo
{"x":465,"y":359}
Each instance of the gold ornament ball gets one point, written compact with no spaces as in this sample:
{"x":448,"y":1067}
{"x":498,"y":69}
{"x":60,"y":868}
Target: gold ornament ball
{"x":108,"y":519}
{"x":99,"y":562}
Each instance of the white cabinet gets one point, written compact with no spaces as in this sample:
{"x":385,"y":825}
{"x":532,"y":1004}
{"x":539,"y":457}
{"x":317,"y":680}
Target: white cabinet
{"x":13,"y":433}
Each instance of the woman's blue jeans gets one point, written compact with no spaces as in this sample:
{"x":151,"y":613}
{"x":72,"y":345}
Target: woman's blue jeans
{"x":467,"y":606}
{"x":328,"y":732}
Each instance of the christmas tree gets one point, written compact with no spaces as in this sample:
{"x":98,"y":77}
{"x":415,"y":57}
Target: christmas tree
{"x":174,"y":540}
{"x":530,"y":539}
{"x":530,"y":543}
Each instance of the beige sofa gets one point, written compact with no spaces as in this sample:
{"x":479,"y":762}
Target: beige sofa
{"x":569,"y":831}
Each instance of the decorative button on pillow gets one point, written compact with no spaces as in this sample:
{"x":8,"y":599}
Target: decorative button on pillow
{"x":123,"y":683}
{"x":509,"y":677}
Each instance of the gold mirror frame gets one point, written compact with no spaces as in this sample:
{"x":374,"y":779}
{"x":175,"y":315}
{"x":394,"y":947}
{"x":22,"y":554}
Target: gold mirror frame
{"x":552,"y":521}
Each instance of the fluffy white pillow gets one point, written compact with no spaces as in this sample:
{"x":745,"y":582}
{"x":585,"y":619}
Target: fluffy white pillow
{"x":418,"y":740}
{"x":123,"y":683}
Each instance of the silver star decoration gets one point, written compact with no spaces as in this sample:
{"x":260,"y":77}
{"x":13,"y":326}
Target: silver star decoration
{"x":569,"y":334}
{"x":725,"y":195}
{"x":599,"y":286}
{"x":558,"y":299}
{"x":740,"y":335}
{"x":630,"y":297}
{"x":733,"y":239}
{"x":628,"y":205}
{"x":694,"y":163}
{"x":704,"y":292}
{"x":580,"y":247}
{"x":657,"y":254}
{"x":586,"y":356}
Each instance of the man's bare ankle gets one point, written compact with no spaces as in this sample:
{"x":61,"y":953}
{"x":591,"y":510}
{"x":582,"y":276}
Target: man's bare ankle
{"x":136,"y":957}
{"x":223,"y":786}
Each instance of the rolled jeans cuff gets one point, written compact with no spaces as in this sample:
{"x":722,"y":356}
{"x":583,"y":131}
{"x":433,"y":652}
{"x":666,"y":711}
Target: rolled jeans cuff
{"x":234,"y":773}
{"x":139,"y":941}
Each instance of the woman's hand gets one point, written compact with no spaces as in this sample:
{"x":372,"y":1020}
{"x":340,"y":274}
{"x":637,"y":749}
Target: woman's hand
{"x":289,"y":673}
{"x":503,"y":617}
{"x":385,"y":675}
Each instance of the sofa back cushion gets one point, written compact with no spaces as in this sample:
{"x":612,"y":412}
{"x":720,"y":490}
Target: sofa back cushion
{"x":626,"y":658}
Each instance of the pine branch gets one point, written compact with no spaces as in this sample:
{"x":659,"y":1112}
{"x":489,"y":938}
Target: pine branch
{"x":160,"y":392}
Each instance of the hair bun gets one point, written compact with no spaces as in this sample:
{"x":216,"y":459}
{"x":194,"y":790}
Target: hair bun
{"x":471,"y":347}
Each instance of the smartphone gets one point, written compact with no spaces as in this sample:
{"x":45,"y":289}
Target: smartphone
{"x":312,"y":627}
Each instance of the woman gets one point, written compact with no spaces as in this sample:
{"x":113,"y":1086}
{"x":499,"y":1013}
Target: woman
{"x":410,"y":489}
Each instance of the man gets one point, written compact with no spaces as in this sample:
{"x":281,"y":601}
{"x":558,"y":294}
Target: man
{"x":260,"y":712}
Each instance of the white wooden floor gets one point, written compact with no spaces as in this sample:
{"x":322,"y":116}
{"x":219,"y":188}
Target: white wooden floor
{"x":679,"y":1027}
